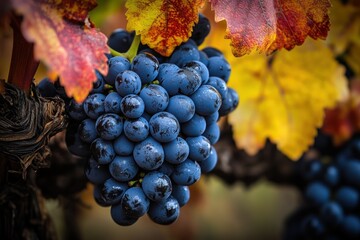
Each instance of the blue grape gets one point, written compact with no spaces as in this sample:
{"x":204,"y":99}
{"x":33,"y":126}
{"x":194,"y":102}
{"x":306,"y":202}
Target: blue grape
{"x":73,"y":142}
{"x":132,"y":106}
{"x":331,"y":213}
{"x":102,"y":151}
{"x":76,"y":110}
{"x":189,"y":80}
{"x":167,"y":71}
{"x":347,"y":197}
{"x":331,"y":175}
{"x":96,"y":173}
{"x":164,"y":212}
{"x":135,"y":203}
{"x":212,"y":118}
{"x":310,"y":170}
{"x":94,"y":105}
{"x":200,"y":68}
{"x":164,"y":127}
{"x":120,"y":40}
{"x":136,"y":130}
{"x":204,"y":58}
{"x":194,"y":127}
{"x":201,"y":29}
{"x":166,"y":168}
{"x":156,"y":186}
{"x":87,"y":131}
{"x":220,"y":85}
{"x":127,"y":82}
{"x":351,"y":172}
{"x":183,"y":54}
{"x":186,"y":173}
{"x":212,"y":52}
{"x":123,"y":146}
{"x":219,"y":67}
{"x":146,"y":66}
{"x":112,"y":103}
{"x":112,"y":191}
{"x":119,"y":216}
{"x":155,"y":97}
{"x":99,"y":84}
{"x":317,"y":193}
{"x":98,"y":196}
{"x":312,"y":226}
{"x":182,"y":107}
{"x":176,"y":151}
{"x":229,"y":103}
{"x":109,"y":126}
{"x":212,"y":133}
{"x":209,"y":164}
{"x":123,"y":168}
{"x":351,"y":226}
{"x":149,"y":154}
{"x":207,"y":100}
{"x":46,"y":88}
{"x":199,"y":148}
{"x":117,"y":65}
{"x":181,"y":194}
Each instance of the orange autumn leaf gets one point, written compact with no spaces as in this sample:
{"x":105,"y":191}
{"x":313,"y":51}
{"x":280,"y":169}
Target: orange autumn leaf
{"x":162,"y":24}
{"x":65,"y":41}
{"x":270,"y":25}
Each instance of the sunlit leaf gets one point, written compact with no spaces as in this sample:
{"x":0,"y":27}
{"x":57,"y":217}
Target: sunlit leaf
{"x":65,"y":41}
{"x":163,"y":24}
{"x":270,"y":25}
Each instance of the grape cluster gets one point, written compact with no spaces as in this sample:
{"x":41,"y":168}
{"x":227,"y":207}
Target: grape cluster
{"x":331,"y":190}
{"x":149,"y":127}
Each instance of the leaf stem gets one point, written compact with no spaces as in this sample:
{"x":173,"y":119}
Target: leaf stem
{"x":131,"y":53}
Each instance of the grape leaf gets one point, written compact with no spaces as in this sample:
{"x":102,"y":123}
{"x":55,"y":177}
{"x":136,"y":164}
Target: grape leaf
{"x":65,"y":41}
{"x":270,"y":25}
{"x":162,"y":24}
{"x":282,"y":96}
{"x":343,"y":121}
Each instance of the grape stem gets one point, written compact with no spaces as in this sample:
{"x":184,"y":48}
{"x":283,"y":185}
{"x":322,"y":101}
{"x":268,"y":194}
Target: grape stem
{"x":132,"y":52}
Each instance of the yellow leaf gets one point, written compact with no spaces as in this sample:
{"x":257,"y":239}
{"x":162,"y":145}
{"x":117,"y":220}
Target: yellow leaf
{"x":283,"y":96}
{"x":162,"y":24}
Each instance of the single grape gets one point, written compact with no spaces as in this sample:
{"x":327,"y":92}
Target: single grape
{"x":73,"y":142}
{"x":194,"y":127}
{"x":135,"y":203}
{"x":123,"y":146}
{"x":132,"y":106}
{"x":183,"y":54}
{"x":109,"y":126}
{"x":127,"y":82}
{"x":176,"y":151}
{"x":199,"y":148}
{"x":164,"y":127}
{"x":219,"y":84}
{"x":146,"y":66}
{"x":189,"y":79}
{"x":164,"y":212}
{"x":76,"y":110}
{"x":123,"y":168}
{"x":136,"y":130}
{"x":96,"y":173}
{"x":316,"y":193}
{"x":204,"y":58}
{"x":94,"y":105}
{"x":331,"y":176}
{"x":46,"y":88}
{"x":156,"y":186}
{"x":218,"y":66}
{"x":351,"y":172}
{"x":119,"y":216}
{"x":149,"y":154}
{"x":209,"y":164}
{"x":155,"y":97}
{"x":212,"y":133}
{"x":117,"y":65}
{"x":186,"y":173}
{"x":200,"y":68}
{"x":347,"y":197}
{"x":99,"y":84}
{"x":87,"y":131}
{"x":182,"y":107}
{"x":112,"y":103}
{"x":207,"y":100}
{"x":166,"y":168}
{"x":120,"y":40}
{"x":102,"y":151}
{"x":181,"y":194}
{"x":212,"y":52}
{"x":212,"y":118}
{"x":229,"y":103}
{"x":112,"y":191}
{"x":201,"y":29}
{"x":166,"y":71}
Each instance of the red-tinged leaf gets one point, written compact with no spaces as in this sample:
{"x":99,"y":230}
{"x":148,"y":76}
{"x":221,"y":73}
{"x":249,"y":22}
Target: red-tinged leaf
{"x":270,"y":25}
{"x":65,"y":41}
{"x":162,"y":24}
{"x":344,"y":120}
